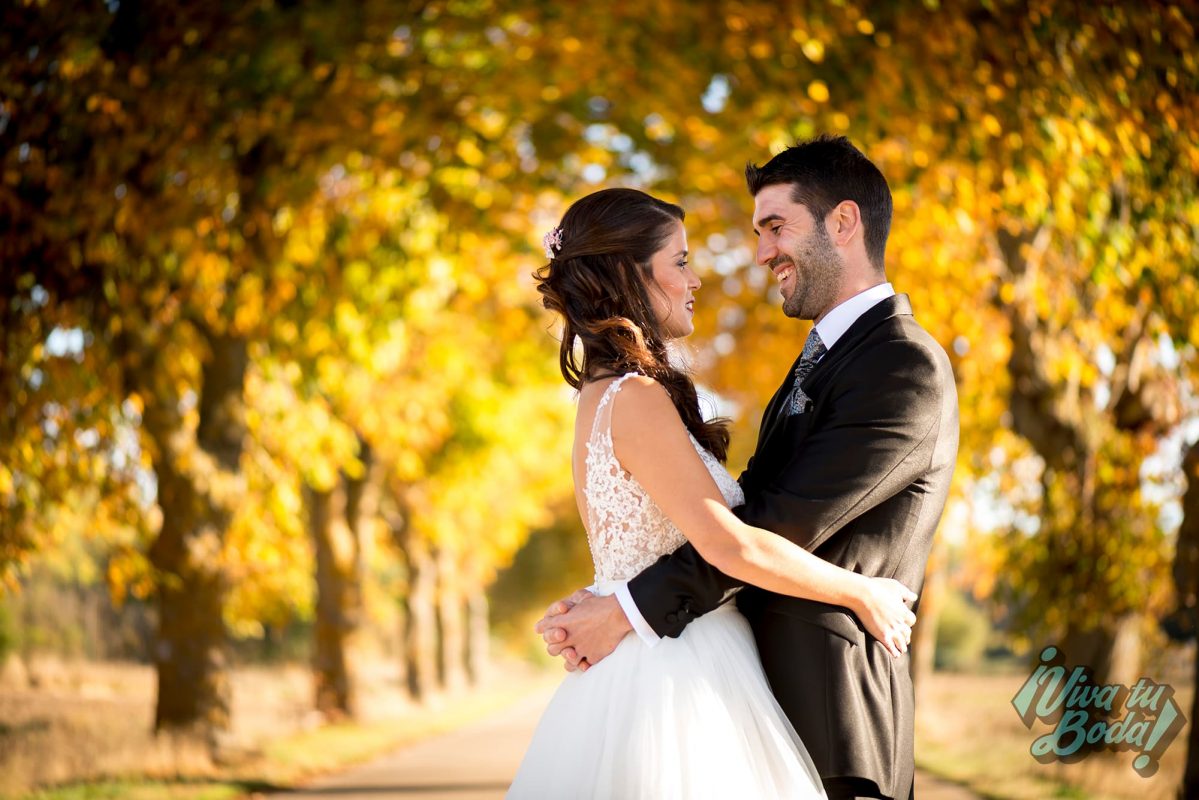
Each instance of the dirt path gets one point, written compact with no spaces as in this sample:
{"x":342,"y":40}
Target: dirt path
{"x":477,"y":762}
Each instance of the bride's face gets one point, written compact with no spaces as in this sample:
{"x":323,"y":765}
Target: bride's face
{"x":673,"y":295}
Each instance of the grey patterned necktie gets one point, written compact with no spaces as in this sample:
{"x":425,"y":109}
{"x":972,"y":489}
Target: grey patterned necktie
{"x":813,"y":351}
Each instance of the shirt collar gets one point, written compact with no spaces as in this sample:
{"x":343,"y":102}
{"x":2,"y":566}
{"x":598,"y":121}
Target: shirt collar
{"x":838,"y":321}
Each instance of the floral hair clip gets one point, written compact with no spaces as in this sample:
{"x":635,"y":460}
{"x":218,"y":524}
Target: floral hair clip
{"x":552,"y":242}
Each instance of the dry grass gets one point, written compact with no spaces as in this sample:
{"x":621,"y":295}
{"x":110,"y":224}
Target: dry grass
{"x":143,"y":790}
{"x":968,"y":731}
{"x":88,"y":726}
{"x":84,"y":733}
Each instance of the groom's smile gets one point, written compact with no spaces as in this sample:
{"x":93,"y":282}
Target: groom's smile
{"x":784,"y":273}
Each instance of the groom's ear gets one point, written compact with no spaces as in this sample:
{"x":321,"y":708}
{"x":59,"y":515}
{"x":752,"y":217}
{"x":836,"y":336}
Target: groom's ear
{"x":844,"y":222}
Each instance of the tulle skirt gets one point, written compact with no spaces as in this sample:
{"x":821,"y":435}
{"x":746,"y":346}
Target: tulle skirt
{"x":691,"y":717}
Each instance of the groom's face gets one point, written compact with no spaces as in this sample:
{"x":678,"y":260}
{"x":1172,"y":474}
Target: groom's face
{"x":797,"y":248}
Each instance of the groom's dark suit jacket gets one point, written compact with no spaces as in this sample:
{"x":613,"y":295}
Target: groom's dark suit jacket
{"x":860,"y":479}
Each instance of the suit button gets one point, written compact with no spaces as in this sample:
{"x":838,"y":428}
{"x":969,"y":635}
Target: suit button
{"x":672,"y":617}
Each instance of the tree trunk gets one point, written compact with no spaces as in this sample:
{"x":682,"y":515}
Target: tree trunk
{"x":1113,"y":652}
{"x":924,"y":633}
{"x":338,"y":602}
{"x":1190,"y":777}
{"x":401,"y":643}
{"x":191,"y":656}
{"x":420,"y":640}
{"x":478,"y":657}
{"x":451,"y":618}
{"x":197,"y":490}
{"x":1184,"y":622}
{"x":388,"y":512}
{"x":337,"y":519}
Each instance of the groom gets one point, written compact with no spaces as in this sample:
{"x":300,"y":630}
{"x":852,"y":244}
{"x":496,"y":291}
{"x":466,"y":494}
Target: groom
{"x":853,"y":462}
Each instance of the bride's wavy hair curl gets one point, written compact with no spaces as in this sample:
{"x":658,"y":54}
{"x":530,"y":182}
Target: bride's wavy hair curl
{"x":599,"y":281}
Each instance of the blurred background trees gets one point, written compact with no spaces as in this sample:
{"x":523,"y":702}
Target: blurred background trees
{"x":271,"y":352}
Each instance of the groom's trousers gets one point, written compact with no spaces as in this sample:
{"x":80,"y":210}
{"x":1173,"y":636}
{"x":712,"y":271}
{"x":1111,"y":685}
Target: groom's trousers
{"x":855,"y":789}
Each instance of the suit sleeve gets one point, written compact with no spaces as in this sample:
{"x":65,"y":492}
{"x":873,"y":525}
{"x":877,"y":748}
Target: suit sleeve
{"x":879,"y":414}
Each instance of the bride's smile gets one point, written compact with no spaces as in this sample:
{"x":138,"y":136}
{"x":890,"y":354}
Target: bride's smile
{"x":675,"y":286}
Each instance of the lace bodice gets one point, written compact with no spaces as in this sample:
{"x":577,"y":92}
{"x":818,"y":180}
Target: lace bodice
{"x":626,"y":529}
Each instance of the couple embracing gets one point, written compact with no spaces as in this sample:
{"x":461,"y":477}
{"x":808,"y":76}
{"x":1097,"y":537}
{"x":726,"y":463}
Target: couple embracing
{"x":744,"y":637}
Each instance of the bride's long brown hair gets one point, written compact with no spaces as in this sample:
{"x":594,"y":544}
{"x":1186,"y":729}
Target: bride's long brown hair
{"x":599,"y":282}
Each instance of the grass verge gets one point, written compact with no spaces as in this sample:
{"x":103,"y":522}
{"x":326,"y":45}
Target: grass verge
{"x":967,"y":732}
{"x":288,"y":762}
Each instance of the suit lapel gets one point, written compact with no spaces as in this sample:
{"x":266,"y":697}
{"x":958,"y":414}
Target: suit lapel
{"x":774,"y":419}
{"x":897,"y":305}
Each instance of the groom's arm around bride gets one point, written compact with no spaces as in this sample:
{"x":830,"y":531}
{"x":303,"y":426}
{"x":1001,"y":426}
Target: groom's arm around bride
{"x":860,"y":478}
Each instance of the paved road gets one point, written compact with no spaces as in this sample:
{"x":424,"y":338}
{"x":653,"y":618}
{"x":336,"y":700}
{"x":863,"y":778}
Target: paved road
{"x":477,"y":762}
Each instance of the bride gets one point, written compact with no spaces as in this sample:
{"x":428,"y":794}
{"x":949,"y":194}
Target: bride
{"x":695,"y":716}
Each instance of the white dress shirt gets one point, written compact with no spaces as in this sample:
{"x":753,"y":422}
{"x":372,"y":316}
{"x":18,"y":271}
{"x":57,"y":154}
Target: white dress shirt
{"x":834,"y":325}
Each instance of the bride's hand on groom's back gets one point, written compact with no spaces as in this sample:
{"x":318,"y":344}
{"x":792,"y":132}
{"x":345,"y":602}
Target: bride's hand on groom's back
{"x":882,"y":607}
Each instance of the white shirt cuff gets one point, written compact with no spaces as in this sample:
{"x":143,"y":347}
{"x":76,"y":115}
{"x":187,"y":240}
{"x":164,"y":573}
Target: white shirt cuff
{"x":625,"y":598}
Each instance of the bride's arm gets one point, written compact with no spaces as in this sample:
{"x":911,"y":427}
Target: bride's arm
{"x":651,"y":442}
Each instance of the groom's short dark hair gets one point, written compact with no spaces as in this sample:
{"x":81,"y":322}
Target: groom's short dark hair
{"x":825,"y":171}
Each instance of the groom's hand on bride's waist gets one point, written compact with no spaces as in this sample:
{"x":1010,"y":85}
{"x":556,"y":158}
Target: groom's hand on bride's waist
{"x":583,"y":629}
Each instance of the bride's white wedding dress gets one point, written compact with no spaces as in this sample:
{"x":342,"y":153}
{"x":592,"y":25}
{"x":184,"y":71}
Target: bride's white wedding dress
{"x":691,"y":717}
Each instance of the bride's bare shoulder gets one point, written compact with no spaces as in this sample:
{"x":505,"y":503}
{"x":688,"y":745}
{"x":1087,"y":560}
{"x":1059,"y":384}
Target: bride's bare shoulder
{"x":644,"y":408}
{"x":589,"y":397}
{"x":639,"y":390}
{"x":591,"y":392}
{"x":596,"y":386}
